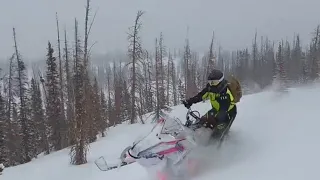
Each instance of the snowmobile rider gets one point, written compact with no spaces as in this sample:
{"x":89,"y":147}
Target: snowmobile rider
{"x":223,"y":110}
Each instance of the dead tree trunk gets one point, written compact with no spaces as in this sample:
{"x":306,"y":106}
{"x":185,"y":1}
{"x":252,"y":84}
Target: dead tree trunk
{"x":135,"y":52}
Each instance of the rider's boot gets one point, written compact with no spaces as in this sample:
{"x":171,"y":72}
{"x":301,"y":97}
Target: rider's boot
{"x":219,"y":130}
{"x":222,"y":128}
{"x":222,"y":124}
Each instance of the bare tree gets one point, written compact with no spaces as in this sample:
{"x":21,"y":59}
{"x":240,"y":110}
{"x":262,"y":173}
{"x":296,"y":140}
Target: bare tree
{"x":11,"y":90}
{"x":79,"y":149}
{"x":135,"y":54}
{"x":61,"y":83}
{"x":161,"y":73}
{"x":158,"y":91}
{"x":173,"y":81}
{"x":149,"y":89}
{"x":117,"y":92}
{"x":211,"y":59}
{"x":70,"y":91}
{"x":26,"y":143}
{"x":187,"y":67}
{"x":110,"y":103}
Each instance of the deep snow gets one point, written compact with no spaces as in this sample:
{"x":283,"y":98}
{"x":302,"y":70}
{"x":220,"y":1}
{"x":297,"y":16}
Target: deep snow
{"x":273,"y":137}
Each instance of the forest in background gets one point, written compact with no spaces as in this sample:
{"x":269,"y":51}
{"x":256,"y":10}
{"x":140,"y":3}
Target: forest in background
{"x":73,"y":101}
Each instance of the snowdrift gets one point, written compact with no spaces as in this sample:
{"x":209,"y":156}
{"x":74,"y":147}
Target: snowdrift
{"x":275,"y":136}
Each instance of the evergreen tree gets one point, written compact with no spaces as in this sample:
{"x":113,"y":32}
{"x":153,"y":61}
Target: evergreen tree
{"x":10,"y":94}
{"x":126,"y":105}
{"x":96,"y":108}
{"x":38,"y":117}
{"x":181,"y":90}
{"x":4,"y":151}
{"x":32,"y":129}
{"x":103,"y":114}
{"x":54,"y":111}
{"x":281,"y":78}
{"x":90,"y":112}
{"x":15,"y":139}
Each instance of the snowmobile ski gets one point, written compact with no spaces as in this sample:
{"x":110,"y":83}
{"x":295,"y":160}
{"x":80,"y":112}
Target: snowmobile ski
{"x":108,"y":168}
{"x":104,"y":166}
{"x":124,"y":160}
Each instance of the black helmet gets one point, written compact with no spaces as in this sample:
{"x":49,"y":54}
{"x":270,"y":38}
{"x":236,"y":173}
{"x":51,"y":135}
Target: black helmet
{"x":215,"y":77}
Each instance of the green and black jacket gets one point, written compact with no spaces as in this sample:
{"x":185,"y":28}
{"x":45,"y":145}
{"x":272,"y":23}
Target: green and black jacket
{"x":220,"y":97}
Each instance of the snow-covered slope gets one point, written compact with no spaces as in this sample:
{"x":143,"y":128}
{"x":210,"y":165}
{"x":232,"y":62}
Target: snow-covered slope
{"x":274,"y":137}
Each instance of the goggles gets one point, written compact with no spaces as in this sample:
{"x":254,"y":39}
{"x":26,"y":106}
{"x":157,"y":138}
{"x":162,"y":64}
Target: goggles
{"x":215,"y":82}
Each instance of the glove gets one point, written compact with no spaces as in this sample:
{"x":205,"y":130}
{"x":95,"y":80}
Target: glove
{"x":187,"y":104}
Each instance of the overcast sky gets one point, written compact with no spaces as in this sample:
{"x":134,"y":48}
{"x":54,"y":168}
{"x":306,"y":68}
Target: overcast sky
{"x":234,"y":22}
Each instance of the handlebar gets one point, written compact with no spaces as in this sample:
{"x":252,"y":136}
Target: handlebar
{"x":191,"y":113}
{"x":134,"y":157}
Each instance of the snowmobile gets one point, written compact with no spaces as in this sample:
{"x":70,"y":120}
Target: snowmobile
{"x":166,"y":151}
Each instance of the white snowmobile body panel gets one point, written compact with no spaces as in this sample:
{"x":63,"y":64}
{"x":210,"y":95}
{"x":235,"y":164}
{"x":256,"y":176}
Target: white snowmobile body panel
{"x":165,"y":152}
{"x":177,"y":141}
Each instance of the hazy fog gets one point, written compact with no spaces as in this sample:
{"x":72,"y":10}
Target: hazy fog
{"x":234,"y":22}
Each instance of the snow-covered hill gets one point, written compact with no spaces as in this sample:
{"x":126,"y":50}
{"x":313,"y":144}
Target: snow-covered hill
{"x":274,"y":137}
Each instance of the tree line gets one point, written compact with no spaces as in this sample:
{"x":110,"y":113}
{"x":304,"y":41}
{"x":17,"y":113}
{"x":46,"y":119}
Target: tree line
{"x":66,"y":106}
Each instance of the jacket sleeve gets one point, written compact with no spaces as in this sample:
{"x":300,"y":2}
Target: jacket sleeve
{"x":199,"y":97}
